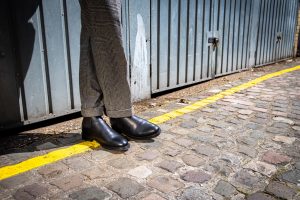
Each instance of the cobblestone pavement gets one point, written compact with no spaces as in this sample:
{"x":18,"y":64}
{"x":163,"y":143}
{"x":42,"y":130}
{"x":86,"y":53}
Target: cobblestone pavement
{"x":245,"y":146}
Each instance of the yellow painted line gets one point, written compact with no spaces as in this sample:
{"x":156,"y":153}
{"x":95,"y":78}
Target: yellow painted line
{"x":56,"y":155}
{"x":32,"y":163}
{"x":204,"y":102}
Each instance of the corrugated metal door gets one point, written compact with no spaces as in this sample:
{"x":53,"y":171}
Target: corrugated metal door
{"x":232,"y":29}
{"x":276,"y":30}
{"x":9,"y":94}
{"x":47,"y":49}
{"x":180,"y":53}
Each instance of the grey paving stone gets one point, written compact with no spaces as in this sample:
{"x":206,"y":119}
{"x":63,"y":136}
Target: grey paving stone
{"x":98,"y":155}
{"x":165,"y":184}
{"x":258,"y":134}
{"x":184,"y":142}
{"x":195,"y":176}
{"x":261,"y":167}
{"x":245,"y":112}
{"x":293,"y":150}
{"x":284,"y":120}
{"x":247,"y":150}
{"x":53,"y":170}
{"x":14,"y":181}
{"x":193,"y":193}
{"x":225,"y":189}
{"x":153,"y":196}
{"x":125,"y":187}
{"x":151,"y":145}
{"x":170,"y":151}
{"x":75,"y":138}
{"x":250,"y":141}
{"x":170,"y":165}
{"x":121,"y":163}
{"x":140,"y":172}
{"x":46,"y":146}
{"x":231,"y":159}
{"x":280,"y":125}
{"x":253,"y":126}
{"x":260,"y":121}
{"x":260,"y":196}
{"x":192,"y":160}
{"x":219,"y":124}
{"x":247,"y":178}
{"x":297,"y":165}
{"x":281,"y":190}
{"x":292,"y":176}
{"x":90,"y":193}
{"x":273,"y":157}
{"x":206,"y":150}
{"x":224,"y":143}
{"x":205,"y":128}
{"x":32,"y":191}
{"x":275,"y":130}
{"x":219,"y":167}
{"x":78,"y":163}
{"x":97,"y":172}
{"x":189,"y":124}
{"x":69,"y":182}
{"x":148,"y":155}
{"x":202,"y":137}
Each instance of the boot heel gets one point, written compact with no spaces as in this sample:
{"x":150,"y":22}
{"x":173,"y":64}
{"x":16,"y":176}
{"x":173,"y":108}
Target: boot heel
{"x":84,"y":137}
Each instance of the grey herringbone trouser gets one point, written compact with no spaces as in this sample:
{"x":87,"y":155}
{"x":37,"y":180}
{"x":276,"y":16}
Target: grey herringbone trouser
{"x":104,"y":87}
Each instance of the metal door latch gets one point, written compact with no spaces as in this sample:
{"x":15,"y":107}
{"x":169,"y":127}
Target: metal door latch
{"x":214,"y":41}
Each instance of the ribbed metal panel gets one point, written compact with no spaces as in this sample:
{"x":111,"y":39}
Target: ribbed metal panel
{"x":247,"y":31}
{"x":166,"y":43}
{"x":276,"y":30}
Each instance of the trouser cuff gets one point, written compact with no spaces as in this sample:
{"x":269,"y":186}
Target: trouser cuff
{"x":119,"y":113}
{"x":92,"y":112}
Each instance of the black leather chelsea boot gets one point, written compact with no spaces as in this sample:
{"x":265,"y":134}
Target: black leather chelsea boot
{"x":135,"y":128}
{"x":95,"y":128}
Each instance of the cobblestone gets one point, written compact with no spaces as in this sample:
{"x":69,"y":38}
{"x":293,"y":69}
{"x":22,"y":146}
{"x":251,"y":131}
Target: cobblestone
{"x":89,"y":193}
{"x":225,"y":189}
{"x":54,"y":170}
{"x":140,"y":172}
{"x":148,"y":155}
{"x":32,"y":191}
{"x":261,"y":167}
{"x":165,"y":184}
{"x":192,"y":160}
{"x":244,"y":146}
{"x":153,"y":197}
{"x":292,"y":176}
{"x":249,"y":151}
{"x":192,"y":193}
{"x":260,"y":196}
{"x":195,"y":176}
{"x":14,"y":181}
{"x":121,"y":163}
{"x":275,"y":158}
{"x":170,"y":165}
{"x":206,"y":150}
{"x":125,"y":187}
{"x":69,"y":182}
{"x":280,"y":190}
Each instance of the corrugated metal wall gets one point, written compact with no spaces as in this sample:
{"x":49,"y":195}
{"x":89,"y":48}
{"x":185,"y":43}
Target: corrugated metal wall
{"x":168,"y":43}
{"x":249,"y":33}
{"x":276,"y":30}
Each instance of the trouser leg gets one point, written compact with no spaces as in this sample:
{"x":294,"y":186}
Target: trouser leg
{"x":103,"y":66}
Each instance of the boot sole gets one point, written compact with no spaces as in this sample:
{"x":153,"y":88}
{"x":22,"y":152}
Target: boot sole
{"x":125,"y":148}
